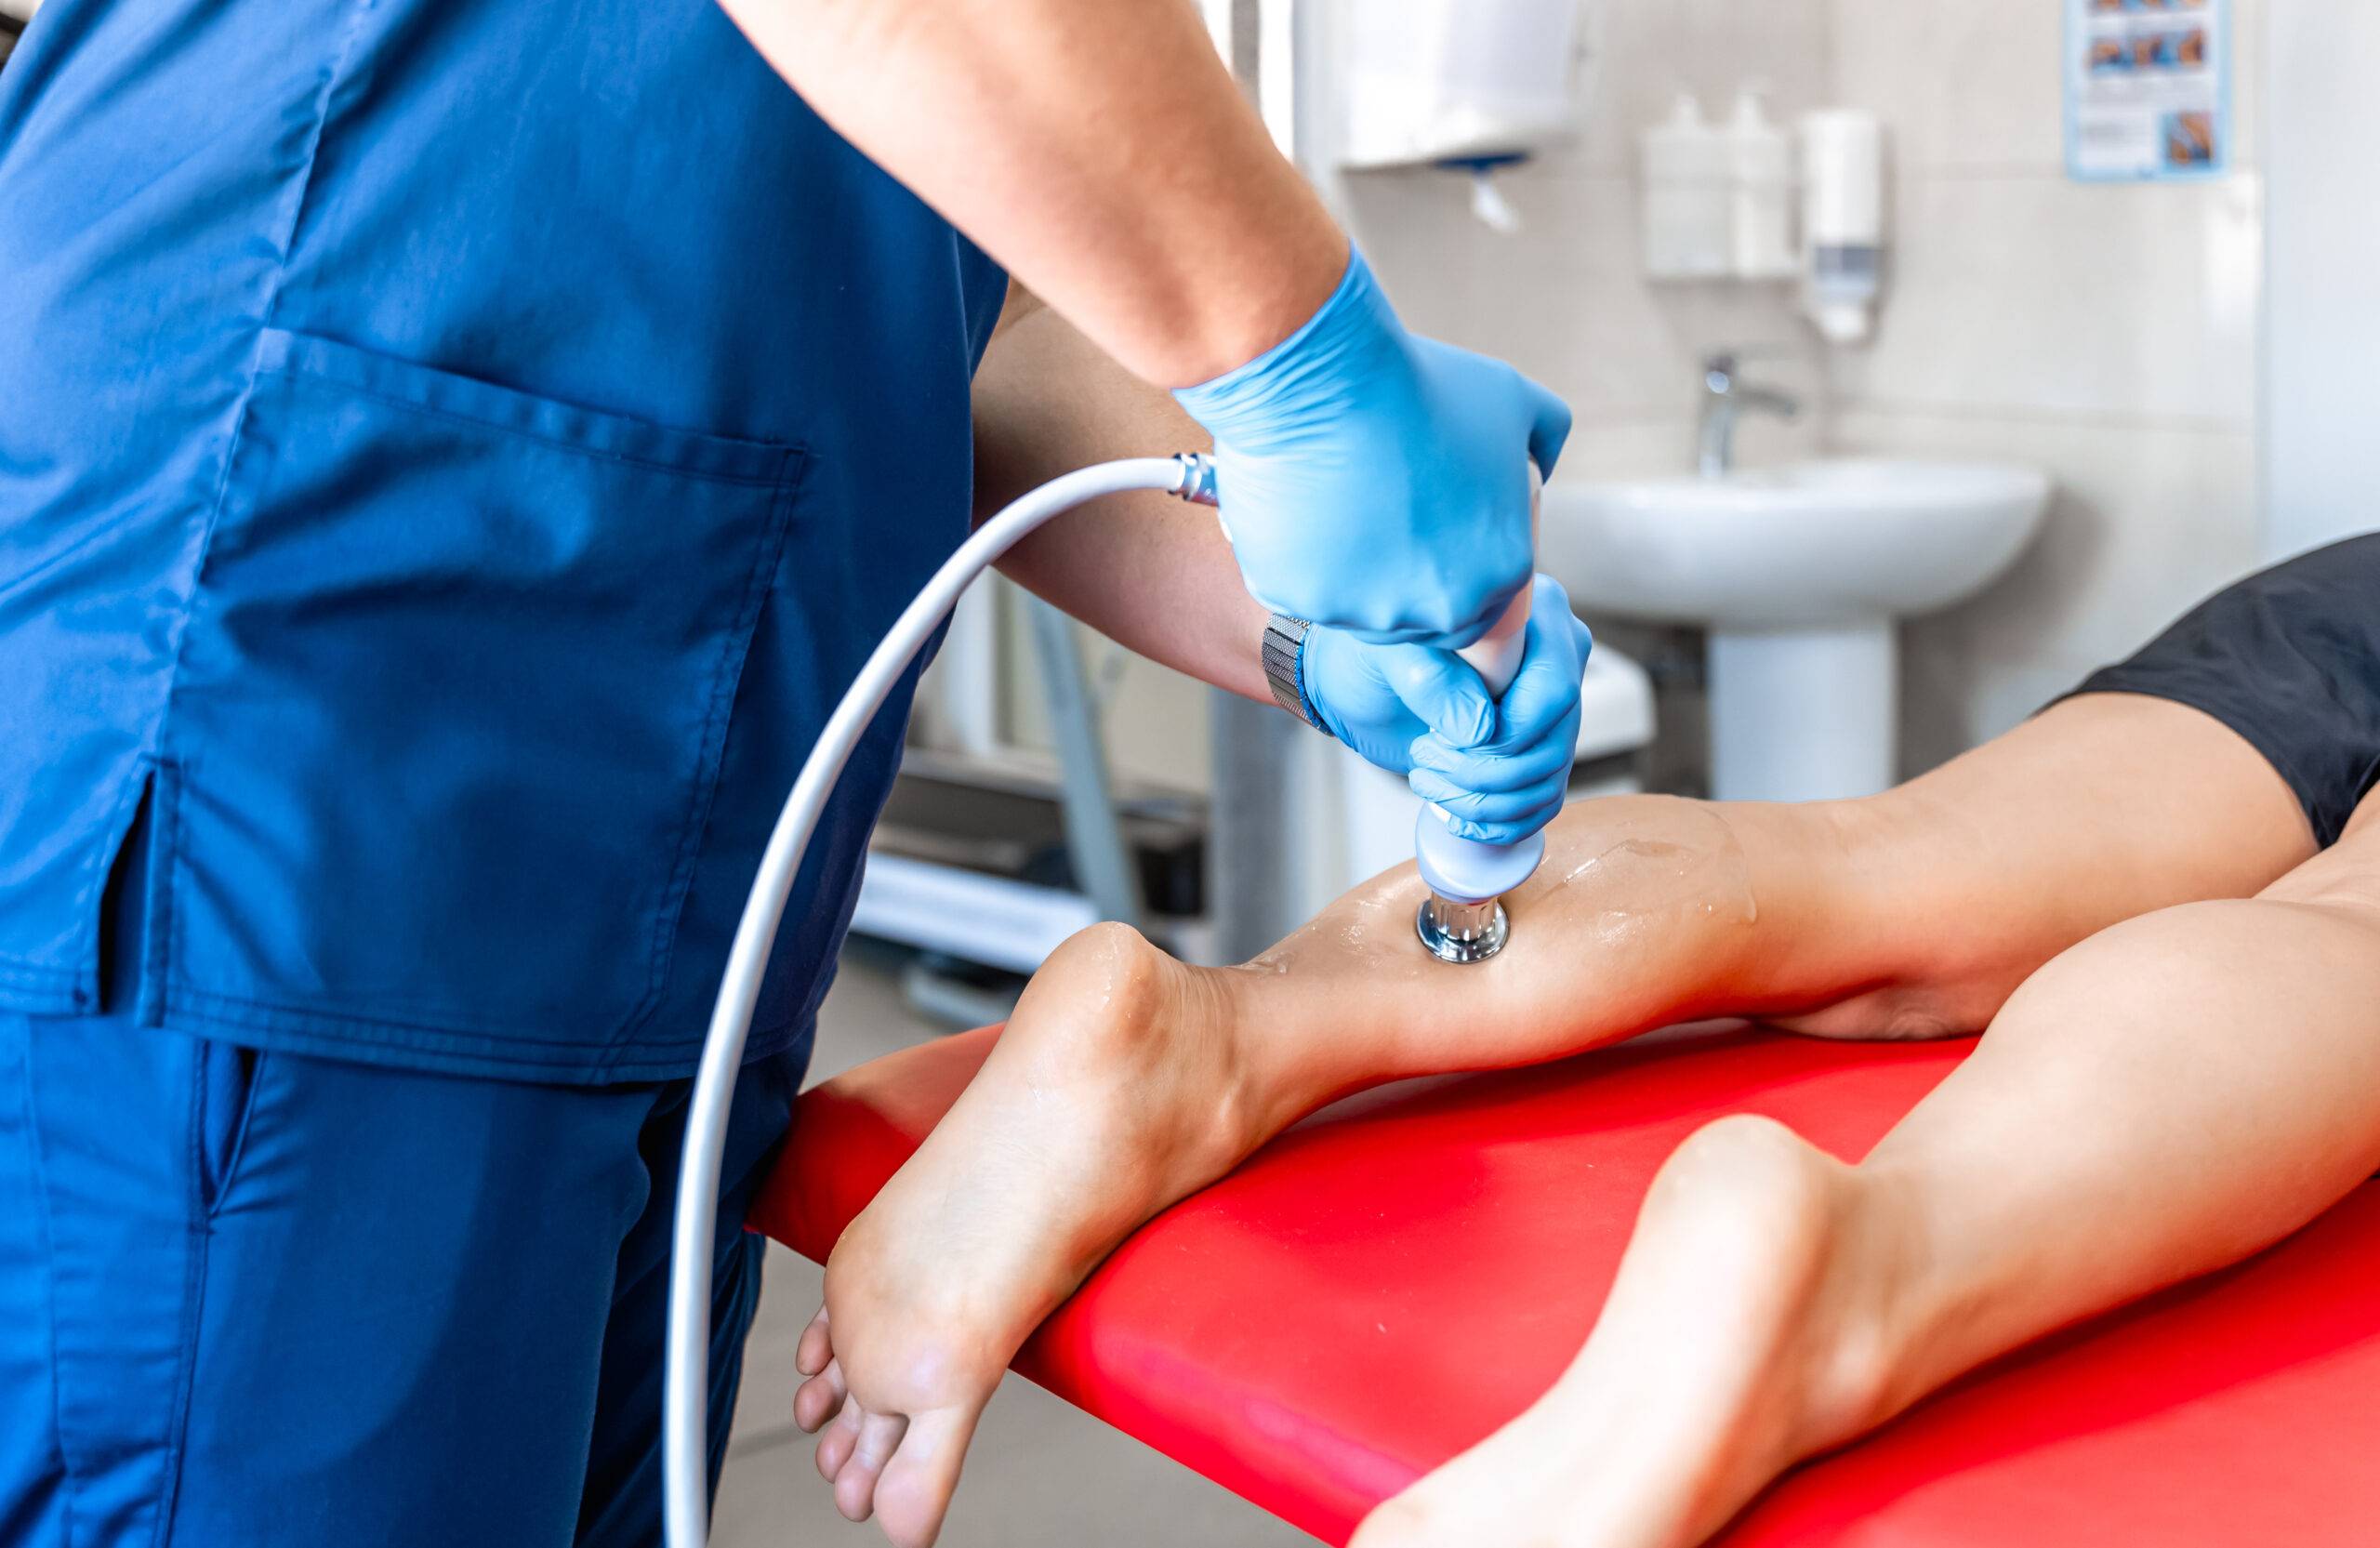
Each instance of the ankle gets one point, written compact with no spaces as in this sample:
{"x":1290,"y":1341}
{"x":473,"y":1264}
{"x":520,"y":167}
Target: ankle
{"x":1833,"y":1239}
{"x":1864,"y":1370}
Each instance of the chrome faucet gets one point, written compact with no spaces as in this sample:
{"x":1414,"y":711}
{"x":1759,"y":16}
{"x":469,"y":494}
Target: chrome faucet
{"x":1724,"y":400}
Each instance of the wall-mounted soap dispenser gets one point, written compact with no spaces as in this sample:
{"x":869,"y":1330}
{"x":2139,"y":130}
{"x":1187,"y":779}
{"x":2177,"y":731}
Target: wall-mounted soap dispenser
{"x":1843,"y":220}
{"x":1761,"y":171}
{"x":1689,"y":183}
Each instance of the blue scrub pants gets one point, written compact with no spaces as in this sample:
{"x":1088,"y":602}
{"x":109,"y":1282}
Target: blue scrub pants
{"x":267,"y":1301}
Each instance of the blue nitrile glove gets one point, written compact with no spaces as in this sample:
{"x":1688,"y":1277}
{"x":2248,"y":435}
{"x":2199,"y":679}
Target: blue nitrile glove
{"x":1499,"y":769}
{"x":1377,"y":481}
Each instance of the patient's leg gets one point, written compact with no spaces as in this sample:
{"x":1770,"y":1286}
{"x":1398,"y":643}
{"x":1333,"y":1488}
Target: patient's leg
{"x":1125,"y":1081}
{"x":2159,"y":1101}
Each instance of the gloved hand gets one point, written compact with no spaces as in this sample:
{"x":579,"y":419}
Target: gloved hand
{"x":1499,"y":769}
{"x":1373,"y":481}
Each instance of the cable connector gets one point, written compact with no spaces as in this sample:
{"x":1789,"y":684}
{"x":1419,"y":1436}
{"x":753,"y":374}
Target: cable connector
{"x":1197,"y":482}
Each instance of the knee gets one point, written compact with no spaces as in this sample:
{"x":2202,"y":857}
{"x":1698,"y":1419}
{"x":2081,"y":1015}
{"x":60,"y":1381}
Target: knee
{"x":2343,"y":881}
{"x":1900,"y":879}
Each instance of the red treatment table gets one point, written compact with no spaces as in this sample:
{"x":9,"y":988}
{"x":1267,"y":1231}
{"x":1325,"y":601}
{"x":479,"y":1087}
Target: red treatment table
{"x":1397,"y":1275}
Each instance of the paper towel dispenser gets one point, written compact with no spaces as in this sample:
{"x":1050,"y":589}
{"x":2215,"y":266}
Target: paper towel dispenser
{"x":1431,"y":81}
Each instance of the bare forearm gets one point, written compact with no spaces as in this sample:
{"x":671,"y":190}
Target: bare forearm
{"x":1097,"y":148}
{"x":1148,"y":571}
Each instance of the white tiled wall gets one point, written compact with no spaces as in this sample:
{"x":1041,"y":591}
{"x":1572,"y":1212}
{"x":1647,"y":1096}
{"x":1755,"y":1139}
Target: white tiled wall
{"x":2321,"y":311}
{"x":2105,"y":334}
{"x":1564,"y":297}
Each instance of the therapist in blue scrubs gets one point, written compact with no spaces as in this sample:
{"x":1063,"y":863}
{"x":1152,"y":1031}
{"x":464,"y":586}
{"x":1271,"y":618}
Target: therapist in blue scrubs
{"x":452,"y":459}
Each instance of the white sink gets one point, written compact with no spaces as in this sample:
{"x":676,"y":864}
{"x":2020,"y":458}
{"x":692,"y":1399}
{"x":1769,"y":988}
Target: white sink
{"x":1799,"y":573}
{"x":1808,"y":543}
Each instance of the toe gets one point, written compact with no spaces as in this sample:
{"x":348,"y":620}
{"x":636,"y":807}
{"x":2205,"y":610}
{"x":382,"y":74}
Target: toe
{"x":916,"y":1487}
{"x":880,"y":1434}
{"x":811,"y":1355}
{"x":820,"y":1398}
{"x":842,"y":1438}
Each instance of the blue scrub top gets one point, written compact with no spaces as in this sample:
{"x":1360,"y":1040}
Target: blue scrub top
{"x":452,"y":459}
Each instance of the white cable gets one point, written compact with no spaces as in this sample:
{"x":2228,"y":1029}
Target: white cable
{"x":685,"y":1401}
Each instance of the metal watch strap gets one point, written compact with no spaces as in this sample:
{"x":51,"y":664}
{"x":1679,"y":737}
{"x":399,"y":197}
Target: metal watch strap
{"x":1284,"y":648}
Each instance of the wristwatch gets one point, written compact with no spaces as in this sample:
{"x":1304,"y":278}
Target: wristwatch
{"x":1284,"y":649}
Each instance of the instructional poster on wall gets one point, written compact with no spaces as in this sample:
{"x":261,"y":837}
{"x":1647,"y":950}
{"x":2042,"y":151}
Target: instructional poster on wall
{"x":2148,"y":88}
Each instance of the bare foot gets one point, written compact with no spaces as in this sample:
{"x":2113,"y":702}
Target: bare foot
{"x":1744,"y":1333}
{"x":1113,"y":1092}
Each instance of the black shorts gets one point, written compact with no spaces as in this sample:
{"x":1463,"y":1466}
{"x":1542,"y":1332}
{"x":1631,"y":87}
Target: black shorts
{"x":2289,"y":659}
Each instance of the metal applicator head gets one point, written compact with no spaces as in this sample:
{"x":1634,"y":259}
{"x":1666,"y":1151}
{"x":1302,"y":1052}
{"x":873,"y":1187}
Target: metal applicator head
{"x":1461,"y":932}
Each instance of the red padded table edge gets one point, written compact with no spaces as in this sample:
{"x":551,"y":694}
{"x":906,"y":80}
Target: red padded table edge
{"x":1395,"y":1277}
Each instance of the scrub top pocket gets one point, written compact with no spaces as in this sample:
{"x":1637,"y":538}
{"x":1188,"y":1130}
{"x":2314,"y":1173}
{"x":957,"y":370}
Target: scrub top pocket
{"x":448,"y":715}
